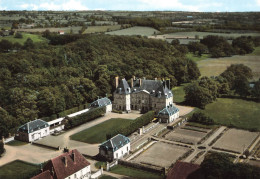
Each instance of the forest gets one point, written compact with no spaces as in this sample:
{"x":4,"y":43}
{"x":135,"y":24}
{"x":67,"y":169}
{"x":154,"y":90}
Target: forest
{"x":41,"y":79}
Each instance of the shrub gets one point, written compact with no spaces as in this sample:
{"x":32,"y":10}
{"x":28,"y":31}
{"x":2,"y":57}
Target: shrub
{"x":133,"y":126}
{"x":200,"y":117}
{"x":1,"y":147}
{"x":85,"y":117}
{"x":18,"y":35}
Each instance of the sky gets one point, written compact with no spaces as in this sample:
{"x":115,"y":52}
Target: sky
{"x":134,"y":5}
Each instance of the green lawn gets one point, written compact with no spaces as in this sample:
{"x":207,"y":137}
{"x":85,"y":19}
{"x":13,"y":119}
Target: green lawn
{"x":237,"y":112}
{"x":16,"y":143}
{"x":19,"y":170}
{"x":135,"y":173}
{"x":97,"y":134}
{"x":179,"y":93}
{"x":106,"y":177}
{"x":256,"y":52}
{"x":105,"y":28}
{"x":34,"y":37}
{"x":197,"y":58}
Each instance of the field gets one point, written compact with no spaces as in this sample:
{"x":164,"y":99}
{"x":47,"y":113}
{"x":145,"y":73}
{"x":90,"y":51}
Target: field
{"x":197,"y":58}
{"x":134,"y":173}
{"x":161,"y":154}
{"x":34,"y":37}
{"x":236,"y":112}
{"x":97,"y":134}
{"x":179,"y":93}
{"x":236,"y":140}
{"x":215,"y":66}
{"x":143,"y":31}
{"x":94,"y":29}
{"x":186,"y":136}
{"x":18,"y":169}
{"x":75,"y":30}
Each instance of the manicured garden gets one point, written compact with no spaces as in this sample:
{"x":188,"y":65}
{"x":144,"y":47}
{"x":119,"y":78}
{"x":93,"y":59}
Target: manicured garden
{"x":97,"y":134}
{"x":19,"y":169}
{"x":134,"y":173}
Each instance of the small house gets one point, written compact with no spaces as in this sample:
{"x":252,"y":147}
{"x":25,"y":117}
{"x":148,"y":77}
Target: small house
{"x":115,"y":148}
{"x":61,"y":32}
{"x":33,"y":130}
{"x":69,"y":165}
{"x":102,"y":102}
{"x":168,"y":114}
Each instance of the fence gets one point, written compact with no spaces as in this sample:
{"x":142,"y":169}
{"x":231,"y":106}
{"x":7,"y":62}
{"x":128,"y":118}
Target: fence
{"x":112,"y":164}
{"x":8,"y":140}
{"x":153,"y":126}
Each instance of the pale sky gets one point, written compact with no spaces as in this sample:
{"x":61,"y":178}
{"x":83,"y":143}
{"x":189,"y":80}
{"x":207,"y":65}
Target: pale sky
{"x":134,"y":5}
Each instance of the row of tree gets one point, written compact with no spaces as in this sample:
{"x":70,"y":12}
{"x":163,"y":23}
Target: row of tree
{"x":234,"y":80}
{"x":218,"y":46}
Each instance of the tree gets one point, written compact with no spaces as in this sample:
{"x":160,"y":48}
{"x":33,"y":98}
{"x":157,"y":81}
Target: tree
{"x":201,"y":118}
{"x":5,"y":45}
{"x":244,"y":45}
{"x":256,"y":90}
{"x":197,"y":47}
{"x":18,"y":35}
{"x":2,"y":149}
{"x":5,"y":123}
{"x":28,"y":44}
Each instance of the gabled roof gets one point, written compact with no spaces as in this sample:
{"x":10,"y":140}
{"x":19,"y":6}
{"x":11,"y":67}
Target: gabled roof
{"x":32,"y":126}
{"x":123,"y":87}
{"x":61,"y":170}
{"x":101,"y":102}
{"x":184,"y":170}
{"x":169,"y":110}
{"x":44,"y":175}
{"x":115,"y":142}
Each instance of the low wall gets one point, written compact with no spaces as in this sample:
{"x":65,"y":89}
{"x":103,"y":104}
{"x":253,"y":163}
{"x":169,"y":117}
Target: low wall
{"x":97,"y":174}
{"x":46,"y":146}
{"x":159,"y":170}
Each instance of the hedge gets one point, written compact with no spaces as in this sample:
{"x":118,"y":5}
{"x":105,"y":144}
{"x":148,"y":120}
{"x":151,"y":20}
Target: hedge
{"x":133,"y":126}
{"x":92,"y":114}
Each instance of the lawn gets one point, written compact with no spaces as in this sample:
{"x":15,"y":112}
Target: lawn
{"x":19,"y":169}
{"x":95,"y":29}
{"x":197,"y":58}
{"x":34,"y":37}
{"x":16,"y":143}
{"x":235,"y":112}
{"x":97,"y":134}
{"x":135,"y":173}
{"x":256,"y":52}
{"x":136,"y":30}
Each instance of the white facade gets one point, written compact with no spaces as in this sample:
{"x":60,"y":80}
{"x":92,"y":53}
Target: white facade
{"x":121,"y":152}
{"x":108,"y":108}
{"x":39,"y":134}
{"x":83,"y":173}
{"x":128,"y":108}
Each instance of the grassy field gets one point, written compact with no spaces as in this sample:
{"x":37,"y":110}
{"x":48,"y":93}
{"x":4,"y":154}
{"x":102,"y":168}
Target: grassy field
{"x":134,"y":173}
{"x":34,"y":37}
{"x":235,"y":112}
{"x":143,"y":31}
{"x":16,"y":143}
{"x":178,"y":93}
{"x":94,"y":29}
{"x":97,"y":134}
{"x":256,"y":52}
{"x":18,"y":169}
{"x":215,"y":66}
{"x":197,"y":58}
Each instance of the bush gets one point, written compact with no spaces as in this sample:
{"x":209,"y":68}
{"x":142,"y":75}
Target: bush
{"x":133,"y":126}
{"x":1,"y":147}
{"x":18,"y":35}
{"x":200,"y":117}
{"x":85,"y":117}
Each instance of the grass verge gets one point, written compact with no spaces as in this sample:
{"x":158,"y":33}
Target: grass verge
{"x":16,"y":143}
{"x":19,"y":169}
{"x":134,"y":173}
{"x":97,"y":134}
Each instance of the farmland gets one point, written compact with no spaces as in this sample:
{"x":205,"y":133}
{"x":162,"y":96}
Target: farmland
{"x":143,"y":31}
{"x":161,"y":154}
{"x":97,"y":29}
{"x":236,"y":140}
{"x":34,"y":37}
{"x":97,"y":134}
{"x":53,"y":29}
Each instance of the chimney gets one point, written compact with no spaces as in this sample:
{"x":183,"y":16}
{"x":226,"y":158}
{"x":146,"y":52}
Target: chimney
{"x":65,"y":161}
{"x":140,"y":82}
{"x":168,"y":84}
{"x":116,"y":78}
{"x":132,"y":82}
{"x":73,"y":156}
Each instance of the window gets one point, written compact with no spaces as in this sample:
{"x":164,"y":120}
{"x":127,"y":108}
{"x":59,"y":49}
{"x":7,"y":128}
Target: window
{"x":127,"y":149}
{"x":75,"y":175}
{"x":116,"y":155}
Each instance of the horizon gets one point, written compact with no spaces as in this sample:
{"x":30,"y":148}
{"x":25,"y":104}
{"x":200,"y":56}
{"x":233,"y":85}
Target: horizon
{"x":132,"y":5}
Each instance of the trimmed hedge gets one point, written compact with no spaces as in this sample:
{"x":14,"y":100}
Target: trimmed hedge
{"x":133,"y":126}
{"x":2,"y":149}
{"x":92,"y":114}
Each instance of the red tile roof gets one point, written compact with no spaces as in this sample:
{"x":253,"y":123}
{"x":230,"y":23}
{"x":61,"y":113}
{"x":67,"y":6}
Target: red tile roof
{"x":181,"y":170}
{"x":44,"y":175}
{"x":61,"y":170}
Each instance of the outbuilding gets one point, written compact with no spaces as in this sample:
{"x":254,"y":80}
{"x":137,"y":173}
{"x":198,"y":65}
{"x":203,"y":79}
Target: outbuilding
{"x":168,"y":114}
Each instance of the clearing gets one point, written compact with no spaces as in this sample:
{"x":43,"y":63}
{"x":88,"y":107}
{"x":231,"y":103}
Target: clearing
{"x":35,"y":38}
{"x":236,"y":140}
{"x":97,"y":134}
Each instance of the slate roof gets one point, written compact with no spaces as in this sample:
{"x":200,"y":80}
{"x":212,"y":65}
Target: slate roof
{"x":184,"y":170}
{"x":101,"y":102}
{"x":32,"y":126}
{"x":123,"y":87}
{"x":60,"y":170}
{"x":115,"y":142}
{"x":169,"y":110}
{"x":44,"y":175}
